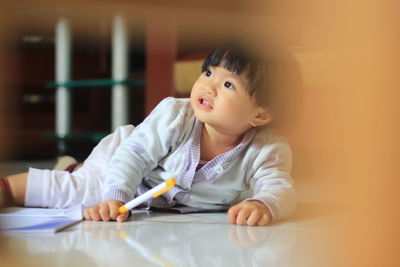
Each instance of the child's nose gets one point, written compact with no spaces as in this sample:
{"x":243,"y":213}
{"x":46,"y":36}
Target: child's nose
{"x":211,"y":89}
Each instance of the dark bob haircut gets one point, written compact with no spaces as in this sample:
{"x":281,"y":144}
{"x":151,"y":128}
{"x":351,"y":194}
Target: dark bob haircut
{"x":272,"y":72}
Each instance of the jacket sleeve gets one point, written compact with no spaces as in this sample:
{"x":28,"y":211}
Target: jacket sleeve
{"x":140,"y":152}
{"x":271,"y":181}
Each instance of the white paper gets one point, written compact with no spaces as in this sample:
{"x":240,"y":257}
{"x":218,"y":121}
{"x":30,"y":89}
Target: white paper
{"x":71,"y":213}
{"x":33,"y":220}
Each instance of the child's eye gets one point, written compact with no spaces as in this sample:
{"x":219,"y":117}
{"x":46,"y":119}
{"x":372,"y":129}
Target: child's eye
{"x":229,"y":85}
{"x":208,"y":73}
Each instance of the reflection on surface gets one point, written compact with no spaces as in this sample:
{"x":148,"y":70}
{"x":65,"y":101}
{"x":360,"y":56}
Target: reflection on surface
{"x":160,"y":239}
{"x":248,"y":236}
{"x":150,"y":256}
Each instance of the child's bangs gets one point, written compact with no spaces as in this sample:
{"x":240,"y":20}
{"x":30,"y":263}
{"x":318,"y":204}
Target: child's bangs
{"x":240,"y":59}
{"x":233,"y":60}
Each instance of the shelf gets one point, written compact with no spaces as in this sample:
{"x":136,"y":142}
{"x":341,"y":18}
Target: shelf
{"x":96,"y":83}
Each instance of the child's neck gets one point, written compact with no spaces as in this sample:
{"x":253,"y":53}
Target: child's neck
{"x":214,"y":143}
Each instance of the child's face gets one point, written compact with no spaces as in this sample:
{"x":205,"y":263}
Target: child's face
{"x":220,"y":99}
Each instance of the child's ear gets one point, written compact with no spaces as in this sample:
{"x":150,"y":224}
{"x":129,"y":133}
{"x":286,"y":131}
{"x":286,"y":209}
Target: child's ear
{"x":263,"y":117}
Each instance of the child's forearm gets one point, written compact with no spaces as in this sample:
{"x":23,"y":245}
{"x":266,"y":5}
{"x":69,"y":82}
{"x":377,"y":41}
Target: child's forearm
{"x":18,"y":184}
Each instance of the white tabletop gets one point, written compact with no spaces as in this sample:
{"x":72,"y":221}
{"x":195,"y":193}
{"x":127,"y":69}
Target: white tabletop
{"x":167,"y":239}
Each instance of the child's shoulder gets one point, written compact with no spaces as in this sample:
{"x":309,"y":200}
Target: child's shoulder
{"x":173,"y":109}
{"x":269,"y":147}
{"x":266,"y":142}
{"x":173,"y":103}
{"x":267,"y":138}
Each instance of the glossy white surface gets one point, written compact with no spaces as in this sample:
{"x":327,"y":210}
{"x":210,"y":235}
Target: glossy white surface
{"x":310,"y":238}
{"x":165,"y":239}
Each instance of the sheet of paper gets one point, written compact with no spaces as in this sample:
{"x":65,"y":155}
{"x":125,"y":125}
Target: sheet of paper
{"x":72,"y":213}
{"x":33,"y":220}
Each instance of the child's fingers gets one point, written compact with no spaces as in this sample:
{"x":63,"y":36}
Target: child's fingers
{"x":94,"y":213}
{"x":264,"y":220}
{"x":122,"y":217}
{"x":254,"y":218}
{"x":114,"y":206}
{"x":232,"y":213}
{"x":86,"y":214}
{"x":104,"y":212}
{"x":242,"y":216}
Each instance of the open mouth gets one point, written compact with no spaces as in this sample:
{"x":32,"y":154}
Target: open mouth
{"x":204,"y":104}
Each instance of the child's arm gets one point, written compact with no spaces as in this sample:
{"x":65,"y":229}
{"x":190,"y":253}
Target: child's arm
{"x":106,"y":211}
{"x":271,"y":183}
{"x":138,"y":154}
{"x":251,"y":212}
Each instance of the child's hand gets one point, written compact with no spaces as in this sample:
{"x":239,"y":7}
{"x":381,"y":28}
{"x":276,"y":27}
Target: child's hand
{"x":105,"y":211}
{"x":251,"y":212}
